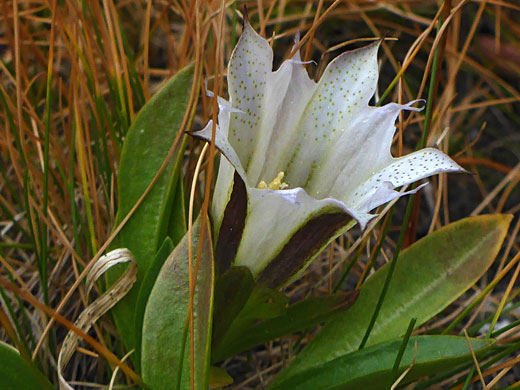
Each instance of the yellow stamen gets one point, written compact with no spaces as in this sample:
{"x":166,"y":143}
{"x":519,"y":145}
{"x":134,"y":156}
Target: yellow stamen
{"x":276,"y":184}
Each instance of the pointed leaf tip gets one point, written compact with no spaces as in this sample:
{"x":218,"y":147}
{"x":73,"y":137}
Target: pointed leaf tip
{"x":429,"y":275}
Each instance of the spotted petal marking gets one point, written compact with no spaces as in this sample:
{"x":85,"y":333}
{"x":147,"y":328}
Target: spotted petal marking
{"x":333,"y":148}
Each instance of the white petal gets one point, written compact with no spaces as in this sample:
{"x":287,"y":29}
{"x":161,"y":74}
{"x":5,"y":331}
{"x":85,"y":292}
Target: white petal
{"x":401,"y":171}
{"x":226,"y":170}
{"x":271,"y":113}
{"x":385,"y":194}
{"x":345,"y":88}
{"x":362,"y":148}
{"x":273,"y":218}
{"x":284,"y":135}
{"x":222,"y":193}
{"x":287,"y":132}
{"x":272,"y":102}
{"x":248,"y":71}
{"x":222,"y":143}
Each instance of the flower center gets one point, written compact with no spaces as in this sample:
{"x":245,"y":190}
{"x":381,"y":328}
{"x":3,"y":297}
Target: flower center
{"x":276,"y":184}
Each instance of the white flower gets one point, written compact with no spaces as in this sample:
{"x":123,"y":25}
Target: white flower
{"x":323,"y":150}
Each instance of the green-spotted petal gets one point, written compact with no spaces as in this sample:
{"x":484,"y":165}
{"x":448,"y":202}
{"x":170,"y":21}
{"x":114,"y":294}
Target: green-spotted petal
{"x":332,"y":147}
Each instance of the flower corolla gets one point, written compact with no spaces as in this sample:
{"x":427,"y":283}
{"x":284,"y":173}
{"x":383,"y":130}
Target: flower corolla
{"x":303,"y":160}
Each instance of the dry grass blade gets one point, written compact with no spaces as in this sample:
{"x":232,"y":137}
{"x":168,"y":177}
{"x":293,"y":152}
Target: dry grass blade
{"x":475,"y":361}
{"x":100,"y":306}
{"x":103,"y":351}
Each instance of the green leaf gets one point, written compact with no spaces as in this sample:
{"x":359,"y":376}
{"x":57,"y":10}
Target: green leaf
{"x":371,"y":368}
{"x":146,"y":288}
{"x":18,"y":374}
{"x":298,"y":317}
{"x":232,"y":290}
{"x":177,"y":224}
{"x":165,"y":347}
{"x":261,"y":303}
{"x":429,"y":275}
{"x":146,"y":146}
{"x":218,"y":378}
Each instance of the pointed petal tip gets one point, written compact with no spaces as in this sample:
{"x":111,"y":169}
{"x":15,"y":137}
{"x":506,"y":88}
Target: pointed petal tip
{"x":202,"y":133}
{"x":296,"y":61}
{"x":245,"y":17}
{"x":373,"y":46}
{"x":409,"y":105}
{"x":225,"y":106}
{"x":209,"y":93}
{"x":455,"y":166}
{"x":249,"y":30}
{"x":461,"y":169}
{"x":296,"y":58}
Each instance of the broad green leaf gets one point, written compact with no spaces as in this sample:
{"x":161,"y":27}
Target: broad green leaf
{"x":146,"y":288}
{"x":429,"y":275}
{"x":232,"y":290}
{"x":298,"y":317}
{"x":165,"y":355}
{"x":263,"y":303}
{"x":146,"y":146}
{"x":17,"y":374}
{"x":177,"y":223}
{"x":371,"y":368}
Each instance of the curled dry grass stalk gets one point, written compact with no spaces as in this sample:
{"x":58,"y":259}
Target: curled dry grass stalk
{"x":74,"y":74}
